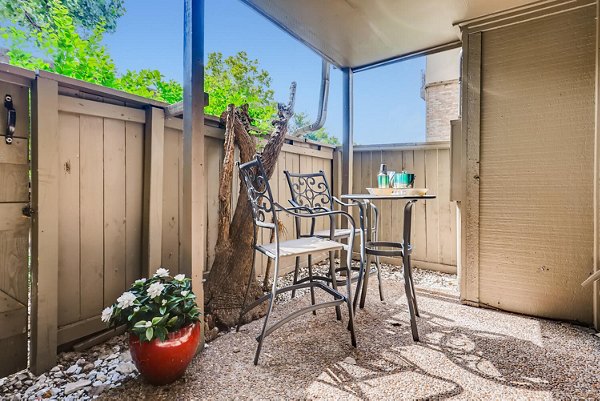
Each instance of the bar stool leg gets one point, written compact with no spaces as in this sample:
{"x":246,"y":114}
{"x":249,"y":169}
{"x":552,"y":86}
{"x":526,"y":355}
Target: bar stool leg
{"x":296,"y":275}
{"x":410,"y":298}
{"x":261,"y":338}
{"x":338,"y":310}
{"x":412,"y":286}
{"x":361,"y":271}
{"x":408,"y":284}
{"x":310,"y":278}
{"x":367,"y":271}
{"x":377,"y":262}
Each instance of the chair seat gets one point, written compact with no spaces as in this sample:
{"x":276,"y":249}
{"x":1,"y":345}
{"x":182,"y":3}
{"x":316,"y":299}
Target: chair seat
{"x":301,"y":246}
{"x":338,"y":233}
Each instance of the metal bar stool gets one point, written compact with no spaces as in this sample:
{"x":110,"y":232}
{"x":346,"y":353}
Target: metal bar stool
{"x":312,"y":190}
{"x":263,"y":205}
{"x":395,"y":249}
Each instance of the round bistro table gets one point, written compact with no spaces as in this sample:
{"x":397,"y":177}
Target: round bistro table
{"x":374,"y":248}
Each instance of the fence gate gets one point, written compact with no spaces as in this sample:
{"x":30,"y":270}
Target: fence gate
{"x":14,"y":225}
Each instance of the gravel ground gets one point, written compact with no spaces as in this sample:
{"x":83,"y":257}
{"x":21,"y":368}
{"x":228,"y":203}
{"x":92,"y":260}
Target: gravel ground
{"x":464,"y":353}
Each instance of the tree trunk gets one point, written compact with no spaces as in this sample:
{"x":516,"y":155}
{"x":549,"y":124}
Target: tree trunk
{"x":225,"y":286}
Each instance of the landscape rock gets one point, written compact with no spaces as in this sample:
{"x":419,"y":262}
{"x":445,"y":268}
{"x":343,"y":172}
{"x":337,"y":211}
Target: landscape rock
{"x":73,"y":369}
{"x":76,"y":386}
{"x":126,"y":368}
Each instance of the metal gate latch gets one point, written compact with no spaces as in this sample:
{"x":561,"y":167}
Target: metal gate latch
{"x":28,"y":211}
{"x":11,"y":119}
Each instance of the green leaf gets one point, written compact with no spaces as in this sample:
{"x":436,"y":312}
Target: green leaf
{"x":162,"y":310}
{"x":149,"y":333}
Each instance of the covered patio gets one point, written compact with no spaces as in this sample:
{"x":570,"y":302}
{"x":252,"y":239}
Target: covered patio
{"x":515,"y":226}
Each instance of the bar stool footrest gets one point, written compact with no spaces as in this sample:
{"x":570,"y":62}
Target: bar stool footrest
{"x":374,"y":248}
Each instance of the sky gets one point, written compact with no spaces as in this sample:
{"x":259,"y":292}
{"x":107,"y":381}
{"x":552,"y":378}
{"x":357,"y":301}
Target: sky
{"x":387,"y":103}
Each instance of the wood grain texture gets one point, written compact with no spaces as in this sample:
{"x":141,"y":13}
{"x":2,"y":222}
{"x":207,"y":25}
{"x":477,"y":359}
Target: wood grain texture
{"x":153,"y":161}
{"x":134,"y":190}
{"x":114,"y":210}
{"x":44,"y":258}
{"x":171,"y":198}
{"x":91,"y":203}
{"x":69,"y":284}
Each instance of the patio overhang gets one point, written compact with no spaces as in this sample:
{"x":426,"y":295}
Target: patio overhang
{"x":364,"y":34}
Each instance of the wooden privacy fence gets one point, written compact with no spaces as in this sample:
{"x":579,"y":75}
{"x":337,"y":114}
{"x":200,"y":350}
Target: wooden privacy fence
{"x":434,"y":224}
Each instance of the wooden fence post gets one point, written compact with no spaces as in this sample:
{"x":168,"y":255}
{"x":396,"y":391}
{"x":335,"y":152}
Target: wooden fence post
{"x":44,"y":259}
{"x":154,"y":144}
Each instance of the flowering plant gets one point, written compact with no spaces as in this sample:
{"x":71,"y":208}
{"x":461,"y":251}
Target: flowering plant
{"x":154,"y":307}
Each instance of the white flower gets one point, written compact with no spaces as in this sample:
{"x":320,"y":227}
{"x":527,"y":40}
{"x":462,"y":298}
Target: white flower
{"x":136,"y":309}
{"x":148,"y":324}
{"x":164,"y":301}
{"x":107,"y":314}
{"x":184,"y":293}
{"x":161,"y":273}
{"x":155,"y":289}
{"x":140,"y":281}
{"x":126,"y":300}
{"x":179,"y":277}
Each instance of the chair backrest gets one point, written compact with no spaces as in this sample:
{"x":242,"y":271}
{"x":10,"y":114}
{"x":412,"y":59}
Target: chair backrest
{"x":311,"y":190}
{"x":259,"y":193}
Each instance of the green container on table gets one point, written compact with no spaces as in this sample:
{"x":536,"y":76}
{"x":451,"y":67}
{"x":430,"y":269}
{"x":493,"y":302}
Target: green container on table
{"x":403,"y":180}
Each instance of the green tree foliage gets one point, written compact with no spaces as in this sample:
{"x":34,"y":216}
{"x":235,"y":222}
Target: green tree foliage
{"x":59,"y":47}
{"x":239,"y":80}
{"x":321,"y":135}
{"x":87,"y":14}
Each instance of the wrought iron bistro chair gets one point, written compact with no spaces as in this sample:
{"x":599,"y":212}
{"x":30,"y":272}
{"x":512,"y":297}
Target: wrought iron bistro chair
{"x":263,"y":207}
{"x":312,"y":190}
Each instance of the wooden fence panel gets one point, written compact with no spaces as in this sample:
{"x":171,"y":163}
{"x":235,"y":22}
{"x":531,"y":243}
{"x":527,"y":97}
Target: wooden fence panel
{"x":101,"y":156}
{"x":434,"y":221}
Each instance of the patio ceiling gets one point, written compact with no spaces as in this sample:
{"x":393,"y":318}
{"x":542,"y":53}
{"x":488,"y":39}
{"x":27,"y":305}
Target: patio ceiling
{"x":360,"y":34}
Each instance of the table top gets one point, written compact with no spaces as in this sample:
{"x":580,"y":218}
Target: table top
{"x":385,"y":197}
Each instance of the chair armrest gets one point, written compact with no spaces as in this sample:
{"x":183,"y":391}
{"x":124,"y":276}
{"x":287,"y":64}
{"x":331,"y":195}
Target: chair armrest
{"x":312,"y":213}
{"x":339,"y":202}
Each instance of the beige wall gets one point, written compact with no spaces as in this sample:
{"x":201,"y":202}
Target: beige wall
{"x":530,"y":237}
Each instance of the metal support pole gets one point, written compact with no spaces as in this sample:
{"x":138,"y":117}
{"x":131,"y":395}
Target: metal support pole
{"x":193,"y":236}
{"x":348,"y":130}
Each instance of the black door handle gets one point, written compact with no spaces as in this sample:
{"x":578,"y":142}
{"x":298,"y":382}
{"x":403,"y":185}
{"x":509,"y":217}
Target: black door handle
{"x":11,"y":119}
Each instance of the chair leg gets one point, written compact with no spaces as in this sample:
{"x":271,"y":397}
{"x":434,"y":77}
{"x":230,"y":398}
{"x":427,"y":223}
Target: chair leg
{"x":271,"y":302}
{"x":338,"y":311}
{"x":296,"y":275}
{"x":310,"y":278}
{"x":252,"y":272}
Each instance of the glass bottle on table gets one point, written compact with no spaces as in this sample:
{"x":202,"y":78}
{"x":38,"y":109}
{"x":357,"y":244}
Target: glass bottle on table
{"x":383,"y":180}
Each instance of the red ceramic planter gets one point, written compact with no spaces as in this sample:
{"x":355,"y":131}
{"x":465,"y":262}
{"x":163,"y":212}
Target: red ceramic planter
{"x":163,"y":362}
